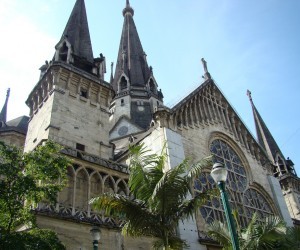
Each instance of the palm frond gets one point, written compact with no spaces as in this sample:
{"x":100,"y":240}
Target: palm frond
{"x":197,"y":168}
{"x":131,"y":210}
{"x":219,"y":232}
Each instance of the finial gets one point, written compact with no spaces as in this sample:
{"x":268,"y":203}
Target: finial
{"x":111,"y":72}
{"x":128,"y":9}
{"x":204,"y":63}
{"x":206,"y":73}
{"x":3,"y":112}
{"x":112,"y":68}
{"x":249,"y":95}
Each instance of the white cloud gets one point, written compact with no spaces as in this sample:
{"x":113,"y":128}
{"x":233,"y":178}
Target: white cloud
{"x":24,"y":48}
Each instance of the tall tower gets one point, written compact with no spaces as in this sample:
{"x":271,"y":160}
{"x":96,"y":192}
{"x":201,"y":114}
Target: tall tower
{"x":136,"y":91}
{"x":70,"y":102}
{"x":70,"y":105}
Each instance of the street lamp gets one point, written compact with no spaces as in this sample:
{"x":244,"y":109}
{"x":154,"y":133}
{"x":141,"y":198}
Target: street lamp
{"x":219,"y":174}
{"x":95,"y":232}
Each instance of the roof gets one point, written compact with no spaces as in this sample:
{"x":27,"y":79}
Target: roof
{"x":19,"y":125}
{"x":77,"y":32}
{"x":131,"y":57}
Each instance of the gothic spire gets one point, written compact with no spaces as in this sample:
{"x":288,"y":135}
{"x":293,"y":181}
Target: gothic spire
{"x":3,"y":114}
{"x":77,"y":32}
{"x":264,"y":136}
{"x":131,"y":57}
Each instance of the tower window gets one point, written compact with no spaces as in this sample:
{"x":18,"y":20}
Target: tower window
{"x":83,"y":93}
{"x":123,"y":83}
{"x":122,"y":102}
{"x":80,"y":147}
{"x":63,"y":52}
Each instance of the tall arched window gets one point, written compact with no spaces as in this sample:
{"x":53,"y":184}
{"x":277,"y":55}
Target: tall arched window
{"x":63,"y":52}
{"x":123,"y":83}
{"x":241,"y":198}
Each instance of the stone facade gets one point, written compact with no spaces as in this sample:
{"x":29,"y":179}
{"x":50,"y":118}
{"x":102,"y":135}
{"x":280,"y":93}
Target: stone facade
{"x":95,"y":121}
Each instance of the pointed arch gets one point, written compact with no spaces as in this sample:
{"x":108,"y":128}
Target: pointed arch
{"x":66,"y":195}
{"x":123,"y":83}
{"x":280,"y":168}
{"x":64,"y":51}
{"x":96,"y":184}
{"x":82,"y":187}
{"x":122,"y":187}
{"x":109,"y":185}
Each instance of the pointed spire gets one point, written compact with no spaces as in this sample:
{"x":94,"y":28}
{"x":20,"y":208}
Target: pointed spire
{"x":3,"y":114}
{"x":77,"y":32}
{"x":264,"y":136}
{"x":111,"y":72}
{"x":131,"y":57}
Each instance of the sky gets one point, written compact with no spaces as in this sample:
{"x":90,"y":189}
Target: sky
{"x":251,"y":45}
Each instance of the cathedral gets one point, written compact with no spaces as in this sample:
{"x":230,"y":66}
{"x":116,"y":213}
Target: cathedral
{"x":95,"y":121}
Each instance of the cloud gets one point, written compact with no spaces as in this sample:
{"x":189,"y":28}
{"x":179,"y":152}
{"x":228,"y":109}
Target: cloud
{"x":25,"y":46}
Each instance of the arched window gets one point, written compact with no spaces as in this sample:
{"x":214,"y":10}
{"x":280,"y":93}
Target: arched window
{"x":123,"y":83}
{"x":63,"y":52}
{"x":244,"y":201}
{"x":66,"y":195}
{"x":81,"y":200}
{"x":109,"y":185}
{"x":281,"y":169}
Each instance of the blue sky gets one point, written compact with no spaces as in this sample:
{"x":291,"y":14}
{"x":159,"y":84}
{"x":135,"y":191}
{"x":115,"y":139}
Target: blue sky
{"x":247,"y":44}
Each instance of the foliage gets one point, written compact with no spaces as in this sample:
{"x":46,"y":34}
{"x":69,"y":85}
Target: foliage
{"x":160,"y":197}
{"x":26,"y":179}
{"x":34,"y":239}
{"x":271,"y":233}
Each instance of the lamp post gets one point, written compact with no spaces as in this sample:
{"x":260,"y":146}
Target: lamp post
{"x":219,"y":174}
{"x":95,"y":232}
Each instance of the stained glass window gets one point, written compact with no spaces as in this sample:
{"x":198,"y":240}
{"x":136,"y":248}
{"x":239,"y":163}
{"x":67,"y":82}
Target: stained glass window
{"x":243,"y":199}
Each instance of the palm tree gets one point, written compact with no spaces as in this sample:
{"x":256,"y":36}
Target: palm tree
{"x":267,"y":234}
{"x":159,"y":198}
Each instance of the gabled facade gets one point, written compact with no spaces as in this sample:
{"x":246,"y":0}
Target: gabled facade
{"x":95,"y":121}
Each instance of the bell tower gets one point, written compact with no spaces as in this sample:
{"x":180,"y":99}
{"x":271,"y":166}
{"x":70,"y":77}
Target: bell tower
{"x":70,"y":102}
{"x":136,"y":90}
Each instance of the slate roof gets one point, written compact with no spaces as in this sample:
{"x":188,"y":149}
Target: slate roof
{"x":131,"y":57}
{"x":77,"y":32}
{"x":19,"y":125}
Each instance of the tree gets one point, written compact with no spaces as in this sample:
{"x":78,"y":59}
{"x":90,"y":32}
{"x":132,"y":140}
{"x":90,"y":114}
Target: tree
{"x":271,"y":233}
{"x":25,"y":180}
{"x":159,"y":199}
{"x":35,"y":239}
